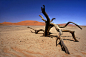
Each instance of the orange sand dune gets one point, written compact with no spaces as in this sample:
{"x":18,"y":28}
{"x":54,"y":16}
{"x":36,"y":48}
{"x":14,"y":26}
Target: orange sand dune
{"x":27,"y":22}
{"x":30,"y":22}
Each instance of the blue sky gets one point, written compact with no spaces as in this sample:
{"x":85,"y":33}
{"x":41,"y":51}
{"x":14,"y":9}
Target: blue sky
{"x":62,"y":10}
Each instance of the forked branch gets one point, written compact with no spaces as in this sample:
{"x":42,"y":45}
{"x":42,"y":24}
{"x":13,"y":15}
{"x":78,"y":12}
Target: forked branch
{"x":36,"y":31}
{"x":63,"y":46}
{"x":73,"y":35}
{"x":43,"y":11}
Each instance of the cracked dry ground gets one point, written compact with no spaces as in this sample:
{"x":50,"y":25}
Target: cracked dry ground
{"x":18,"y":41}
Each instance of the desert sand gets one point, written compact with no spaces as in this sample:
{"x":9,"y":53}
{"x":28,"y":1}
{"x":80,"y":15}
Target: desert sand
{"x":18,"y":41}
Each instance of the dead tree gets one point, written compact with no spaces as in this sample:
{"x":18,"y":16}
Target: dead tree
{"x":49,"y":25}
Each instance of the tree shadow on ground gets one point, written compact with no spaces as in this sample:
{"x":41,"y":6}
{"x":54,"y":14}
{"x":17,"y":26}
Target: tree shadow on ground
{"x":69,"y":39}
{"x":61,"y":43}
{"x":70,"y":36}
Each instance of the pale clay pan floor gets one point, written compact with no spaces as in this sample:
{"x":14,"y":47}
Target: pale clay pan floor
{"x":18,"y":41}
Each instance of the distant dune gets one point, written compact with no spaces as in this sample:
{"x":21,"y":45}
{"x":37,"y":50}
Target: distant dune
{"x":30,"y":22}
{"x":27,"y":22}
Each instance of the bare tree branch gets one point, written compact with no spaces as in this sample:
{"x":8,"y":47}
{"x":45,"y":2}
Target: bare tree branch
{"x":42,"y":18}
{"x":31,"y":28}
{"x":36,"y":31}
{"x":52,"y":19}
{"x":73,"y":23}
{"x":43,"y":11}
{"x":73,"y":35}
{"x":63,"y":46}
{"x":56,"y":26}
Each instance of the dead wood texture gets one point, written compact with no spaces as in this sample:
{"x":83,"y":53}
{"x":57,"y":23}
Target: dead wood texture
{"x":68,"y":23}
{"x":63,"y":47}
{"x":49,"y":25}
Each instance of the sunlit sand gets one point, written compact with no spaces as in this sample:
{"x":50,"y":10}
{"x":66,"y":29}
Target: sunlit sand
{"x":18,"y":41}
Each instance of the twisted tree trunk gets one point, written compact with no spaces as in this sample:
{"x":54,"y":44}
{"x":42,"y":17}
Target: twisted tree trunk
{"x":47,"y":27}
